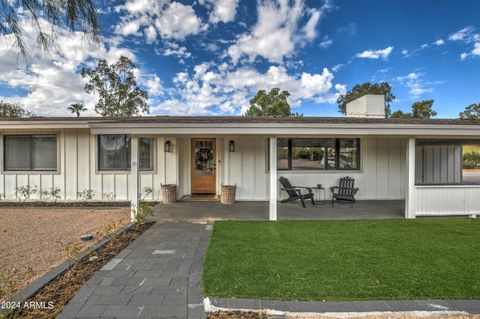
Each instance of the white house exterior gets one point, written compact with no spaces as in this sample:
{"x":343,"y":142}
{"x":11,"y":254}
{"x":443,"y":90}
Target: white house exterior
{"x":418,"y":161}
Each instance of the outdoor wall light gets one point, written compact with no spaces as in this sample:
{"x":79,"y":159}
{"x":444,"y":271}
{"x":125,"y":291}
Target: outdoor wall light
{"x":231,"y":146}
{"x":168,"y":146}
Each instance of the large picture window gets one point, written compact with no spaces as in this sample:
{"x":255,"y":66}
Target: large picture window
{"x":318,"y":154}
{"x":30,"y":152}
{"x":114,"y":151}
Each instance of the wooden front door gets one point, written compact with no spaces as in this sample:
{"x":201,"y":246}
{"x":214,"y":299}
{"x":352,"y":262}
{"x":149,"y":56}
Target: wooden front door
{"x":204,"y":170}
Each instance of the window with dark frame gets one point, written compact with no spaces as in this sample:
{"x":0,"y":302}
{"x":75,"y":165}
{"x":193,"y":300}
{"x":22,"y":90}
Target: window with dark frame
{"x":114,"y":153}
{"x":318,"y":154}
{"x":30,"y":152}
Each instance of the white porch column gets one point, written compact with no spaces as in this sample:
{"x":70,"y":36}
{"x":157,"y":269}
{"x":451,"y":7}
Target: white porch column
{"x":273,"y":179}
{"x":410,"y":191}
{"x":135,"y":183}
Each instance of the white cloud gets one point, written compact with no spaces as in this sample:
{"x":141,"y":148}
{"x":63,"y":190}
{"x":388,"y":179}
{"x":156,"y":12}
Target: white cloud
{"x":464,"y":34}
{"x":325,"y":43}
{"x":475,"y":52}
{"x":415,"y":83}
{"x":223,"y":10}
{"x":170,"y":20}
{"x":174,"y":49}
{"x":211,"y":88}
{"x":439,"y":42}
{"x":51,"y":79}
{"x":375,"y":54}
{"x":277,"y":32}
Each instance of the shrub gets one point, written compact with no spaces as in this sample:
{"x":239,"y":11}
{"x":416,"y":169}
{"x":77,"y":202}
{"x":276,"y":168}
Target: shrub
{"x":86,"y":194}
{"x":109,"y":196}
{"x":24,"y":192}
{"x":471,"y":160}
{"x":53,"y":194}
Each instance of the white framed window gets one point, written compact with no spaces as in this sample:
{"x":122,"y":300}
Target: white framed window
{"x":114,"y":152}
{"x":30,"y":152}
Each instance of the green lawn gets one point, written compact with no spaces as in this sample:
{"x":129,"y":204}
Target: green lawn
{"x":345,"y":260}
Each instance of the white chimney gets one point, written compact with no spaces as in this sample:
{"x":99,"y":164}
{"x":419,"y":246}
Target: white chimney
{"x":367,"y":106}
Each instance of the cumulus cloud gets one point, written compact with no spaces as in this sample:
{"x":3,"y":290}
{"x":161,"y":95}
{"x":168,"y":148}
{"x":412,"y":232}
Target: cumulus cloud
{"x":223,"y":10}
{"x":210,"y":88}
{"x":149,"y":18}
{"x":464,"y":34}
{"x":375,"y":54}
{"x":474,"y":52}
{"x":439,"y":42}
{"x":52,"y":80}
{"x":279,"y":29}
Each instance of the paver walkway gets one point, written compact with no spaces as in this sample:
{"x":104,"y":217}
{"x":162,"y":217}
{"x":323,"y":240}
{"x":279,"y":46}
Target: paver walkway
{"x":157,"y":276}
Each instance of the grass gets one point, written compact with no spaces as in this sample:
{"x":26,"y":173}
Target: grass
{"x":345,"y":260}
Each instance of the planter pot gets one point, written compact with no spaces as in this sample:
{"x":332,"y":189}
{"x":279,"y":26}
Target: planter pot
{"x":169,"y":193}
{"x":227,"y":195}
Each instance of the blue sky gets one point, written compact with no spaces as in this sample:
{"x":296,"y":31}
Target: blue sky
{"x":209,"y":57}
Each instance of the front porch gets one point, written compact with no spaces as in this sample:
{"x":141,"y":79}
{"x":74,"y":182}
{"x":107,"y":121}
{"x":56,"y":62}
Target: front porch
{"x":200,"y":211}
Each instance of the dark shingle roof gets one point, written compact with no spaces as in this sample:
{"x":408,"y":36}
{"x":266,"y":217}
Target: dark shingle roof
{"x":245,"y":119}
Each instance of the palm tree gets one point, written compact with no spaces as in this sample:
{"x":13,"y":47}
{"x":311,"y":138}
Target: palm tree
{"x":77,"y":108}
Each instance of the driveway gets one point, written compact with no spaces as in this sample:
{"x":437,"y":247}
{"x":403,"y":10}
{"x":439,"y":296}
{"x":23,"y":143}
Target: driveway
{"x":157,"y":276}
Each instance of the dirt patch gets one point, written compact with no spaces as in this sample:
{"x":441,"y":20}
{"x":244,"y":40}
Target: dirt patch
{"x":62,"y":289}
{"x":32,"y":238}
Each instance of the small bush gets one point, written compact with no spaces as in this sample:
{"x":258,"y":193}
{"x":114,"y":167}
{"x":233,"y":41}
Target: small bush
{"x":86,"y":194}
{"x":109,"y":196}
{"x":52,"y":195}
{"x":24,"y":192}
{"x":471,"y":160}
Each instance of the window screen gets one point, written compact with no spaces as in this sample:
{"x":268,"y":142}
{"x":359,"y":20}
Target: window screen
{"x":30,"y":152}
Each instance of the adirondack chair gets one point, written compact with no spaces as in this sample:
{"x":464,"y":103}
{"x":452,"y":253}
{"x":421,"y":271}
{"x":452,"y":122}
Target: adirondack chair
{"x":295,"y":192}
{"x":345,"y":190}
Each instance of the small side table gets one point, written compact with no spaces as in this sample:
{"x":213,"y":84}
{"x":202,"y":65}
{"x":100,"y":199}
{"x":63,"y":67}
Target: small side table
{"x":318,"y":189}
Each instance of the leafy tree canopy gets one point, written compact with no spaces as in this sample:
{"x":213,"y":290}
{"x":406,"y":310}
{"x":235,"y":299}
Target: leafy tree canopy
{"x":360,"y":90}
{"x":73,"y":14}
{"x":471,"y":112}
{"x":420,"y":110}
{"x":116,"y":86}
{"x":77,"y":108}
{"x":274,"y":103}
{"x":13,"y":110}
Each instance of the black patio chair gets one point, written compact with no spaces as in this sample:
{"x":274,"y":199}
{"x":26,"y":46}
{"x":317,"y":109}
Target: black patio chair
{"x":295,"y":192}
{"x":345,"y":190}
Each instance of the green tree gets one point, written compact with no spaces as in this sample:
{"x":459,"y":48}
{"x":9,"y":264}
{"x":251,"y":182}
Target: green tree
{"x":274,"y":103}
{"x":420,"y":110}
{"x":360,"y":90}
{"x":77,"y":108}
{"x":73,"y":14}
{"x":398,"y":114}
{"x":471,"y":112}
{"x":423,"y":109}
{"x":13,"y":110}
{"x":116,"y":86}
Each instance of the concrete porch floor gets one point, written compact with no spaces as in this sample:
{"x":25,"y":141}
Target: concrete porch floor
{"x":196,"y":211}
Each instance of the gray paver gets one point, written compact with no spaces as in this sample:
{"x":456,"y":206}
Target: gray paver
{"x":157,"y":276}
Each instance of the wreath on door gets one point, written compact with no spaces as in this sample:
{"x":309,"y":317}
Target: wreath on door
{"x":203,"y":158}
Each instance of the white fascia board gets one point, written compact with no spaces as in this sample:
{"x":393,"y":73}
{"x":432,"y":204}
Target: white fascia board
{"x":26,"y":125}
{"x":286,"y":129}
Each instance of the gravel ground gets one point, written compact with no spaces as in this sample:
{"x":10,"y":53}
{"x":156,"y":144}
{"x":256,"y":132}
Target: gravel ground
{"x":31,"y":239}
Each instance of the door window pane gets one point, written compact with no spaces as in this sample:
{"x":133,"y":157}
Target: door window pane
{"x":17,"y":153}
{"x":44,"y":153}
{"x":203,"y":152}
{"x":348,"y":154}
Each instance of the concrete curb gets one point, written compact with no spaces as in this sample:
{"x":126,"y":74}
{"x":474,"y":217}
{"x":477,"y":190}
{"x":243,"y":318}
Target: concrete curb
{"x":345,"y":307}
{"x":39,"y":283}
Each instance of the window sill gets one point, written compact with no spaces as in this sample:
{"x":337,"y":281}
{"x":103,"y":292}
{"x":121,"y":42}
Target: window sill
{"x":55,"y":172}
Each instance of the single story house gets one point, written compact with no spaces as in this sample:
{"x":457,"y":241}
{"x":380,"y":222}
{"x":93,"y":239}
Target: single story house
{"x":419,"y":161}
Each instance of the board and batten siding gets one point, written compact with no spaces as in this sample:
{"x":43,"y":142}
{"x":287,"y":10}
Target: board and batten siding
{"x":77,"y":170}
{"x":447,"y":200}
{"x":382,"y":174}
